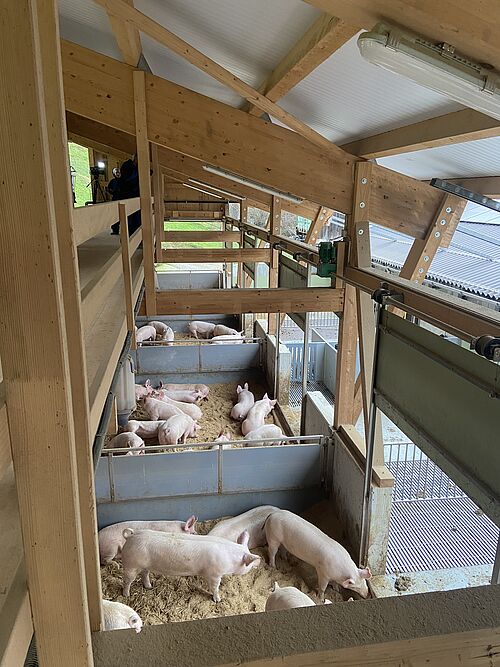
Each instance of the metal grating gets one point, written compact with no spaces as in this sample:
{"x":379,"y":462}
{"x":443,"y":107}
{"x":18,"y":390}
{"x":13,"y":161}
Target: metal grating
{"x":312,"y":385}
{"x":439,"y":534}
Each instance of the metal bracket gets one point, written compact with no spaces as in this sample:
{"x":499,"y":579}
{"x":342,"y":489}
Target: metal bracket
{"x":383,"y":293}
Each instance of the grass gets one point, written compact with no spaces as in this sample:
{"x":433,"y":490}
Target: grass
{"x":79,"y":160}
{"x":191,"y":226}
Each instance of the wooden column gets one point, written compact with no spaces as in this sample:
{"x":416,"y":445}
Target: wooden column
{"x":274,"y":228}
{"x":57,"y":141}
{"x":141,"y":133}
{"x":127,"y":269}
{"x":158,"y":194}
{"x":321,"y":218}
{"x":37,"y":374}
{"x":359,"y":232}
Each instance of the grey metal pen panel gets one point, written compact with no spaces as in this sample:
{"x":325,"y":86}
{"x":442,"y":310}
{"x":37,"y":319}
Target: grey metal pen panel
{"x":197,"y":358}
{"x":262,"y":468}
{"x":157,"y":475}
{"x":102,"y":480}
{"x":441,"y":396}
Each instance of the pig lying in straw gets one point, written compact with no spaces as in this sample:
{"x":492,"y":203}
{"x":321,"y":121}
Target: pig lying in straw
{"x":119,"y":616}
{"x":245,"y":402}
{"x":288,"y":597}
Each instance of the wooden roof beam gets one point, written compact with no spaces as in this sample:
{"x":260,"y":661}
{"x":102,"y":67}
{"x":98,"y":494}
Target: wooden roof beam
{"x":450,"y":128}
{"x":472,"y":27}
{"x":325,"y":36}
{"x":163,"y":36}
{"x":127,"y":36}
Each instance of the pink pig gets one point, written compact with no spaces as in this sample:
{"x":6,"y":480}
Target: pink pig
{"x":188,"y":387}
{"x":183,"y":395}
{"x":159,"y":410}
{"x":145,"y":429}
{"x":145,"y":333}
{"x":163,"y":331}
{"x":204,"y":329}
{"x":178,"y":427}
{"x":189,"y":408}
{"x":143,"y":391}
{"x":183,"y":555}
{"x":245,"y":402}
{"x":307,"y":542}
{"x":127,"y":440}
{"x":257,"y":415}
{"x":111,"y":538}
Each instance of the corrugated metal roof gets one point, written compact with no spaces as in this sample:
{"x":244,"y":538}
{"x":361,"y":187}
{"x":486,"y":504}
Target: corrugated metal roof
{"x":471,"y":263}
{"x":477,"y":213}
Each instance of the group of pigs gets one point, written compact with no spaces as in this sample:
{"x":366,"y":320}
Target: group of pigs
{"x":173,"y":548}
{"x":217,"y":333}
{"x":174,"y":416}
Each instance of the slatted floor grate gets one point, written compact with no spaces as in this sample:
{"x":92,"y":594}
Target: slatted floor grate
{"x":439,"y":534}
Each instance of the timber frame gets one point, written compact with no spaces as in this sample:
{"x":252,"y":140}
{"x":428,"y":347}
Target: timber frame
{"x":91,"y":290}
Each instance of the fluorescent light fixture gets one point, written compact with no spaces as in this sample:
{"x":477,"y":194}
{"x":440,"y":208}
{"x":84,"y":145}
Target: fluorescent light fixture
{"x":212,"y":187}
{"x":434,"y":65}
{"x":458,"y":190}
{"x":101,"y":165}
{"x":252,"y":184}
{"x":205,"y":192}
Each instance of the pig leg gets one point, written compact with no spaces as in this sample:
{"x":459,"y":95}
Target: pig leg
{"x":128,"y":578}
{"x":145,"y":579}
{"x":272,"y":549}
{"x":323,"y":581}
{"x":213,"y":587}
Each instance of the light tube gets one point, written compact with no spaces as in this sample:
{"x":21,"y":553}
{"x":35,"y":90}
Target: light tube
{"x":252,"y":184}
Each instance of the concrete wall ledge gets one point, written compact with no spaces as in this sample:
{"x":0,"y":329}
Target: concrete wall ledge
{"x":460,"y":627}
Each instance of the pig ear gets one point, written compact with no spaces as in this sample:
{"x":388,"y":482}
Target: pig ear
{"x":239,"y":389}
{"x":147,"y":383}
{"x":248,"y":559}
{"x":190,"y":523}
{"x":246,"y":385}
{"x":243,"y":538}
{"x":135,"y":622}
{"x":348,"y":583}
{"x":365,"y":573}
{"x":275,"y":587}
{"x":265,"y":396}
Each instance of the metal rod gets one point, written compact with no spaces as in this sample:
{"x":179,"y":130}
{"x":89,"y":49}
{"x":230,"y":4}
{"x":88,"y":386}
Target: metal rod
{"x":305,"y":369}
{"x":277,"y":356}
{"x":302,"y":439}
{"x":495,"y":576}
{"x":370,"y":446}
{"x":187,"y":341}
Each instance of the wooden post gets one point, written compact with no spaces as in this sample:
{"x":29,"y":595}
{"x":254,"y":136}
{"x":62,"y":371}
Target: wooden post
{"x":158,"y":194}
{"x":113,"y":419}
{"x":141,"y":133}
{"x":359,"y":232}
{"x":274,"y":228}
{"x":37,"y":374}
{"x":57,"y":138}
{"x":317,"y":224}
{"x":127,"y":269}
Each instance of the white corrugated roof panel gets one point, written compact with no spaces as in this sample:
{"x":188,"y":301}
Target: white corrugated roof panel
{"x":473,"y":158}
{"x":347,"y":98}
{"x":86,"y":23}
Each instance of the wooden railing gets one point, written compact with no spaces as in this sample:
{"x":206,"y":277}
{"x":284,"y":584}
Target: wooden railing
{"x":88,"y":221}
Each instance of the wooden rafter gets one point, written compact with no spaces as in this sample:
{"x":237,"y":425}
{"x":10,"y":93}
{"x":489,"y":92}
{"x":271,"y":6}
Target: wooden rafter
{"x":213,"y":69}
{"x":472,"y":27}
{"x":325,"y":36}
{"x":320,"y":219}
{"x":127,"y":37}
{"x":451,"y":128}
{"x":100,"y":88}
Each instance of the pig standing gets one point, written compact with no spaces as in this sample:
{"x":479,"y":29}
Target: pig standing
{"x":183,"y":395}
{"x":307,"y":542}
{"x":231,"y":339}
{"x":201,"y":329}
{"x":257,"y":415}
{"x":288,"y":597}
{"x":163,"y":331}
{"x":202,"y":388}
{"x":266,"y":431}
{"x":222,"y":330}
{"x":178,"y":427}
{"x":252,"y":521}
{"x":111,"y":538}
{"x":245,"y":402}
{"x":183,"y":555}
{"x":159,"y":410}
{"x":144,"y":429}
{"x":119,"y":616}
{"x":190,"y":409}
{"x":127,"y":440}
{"x":143,"y":391}
{"x":145,"y":333}
{"x":222,"y":437}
